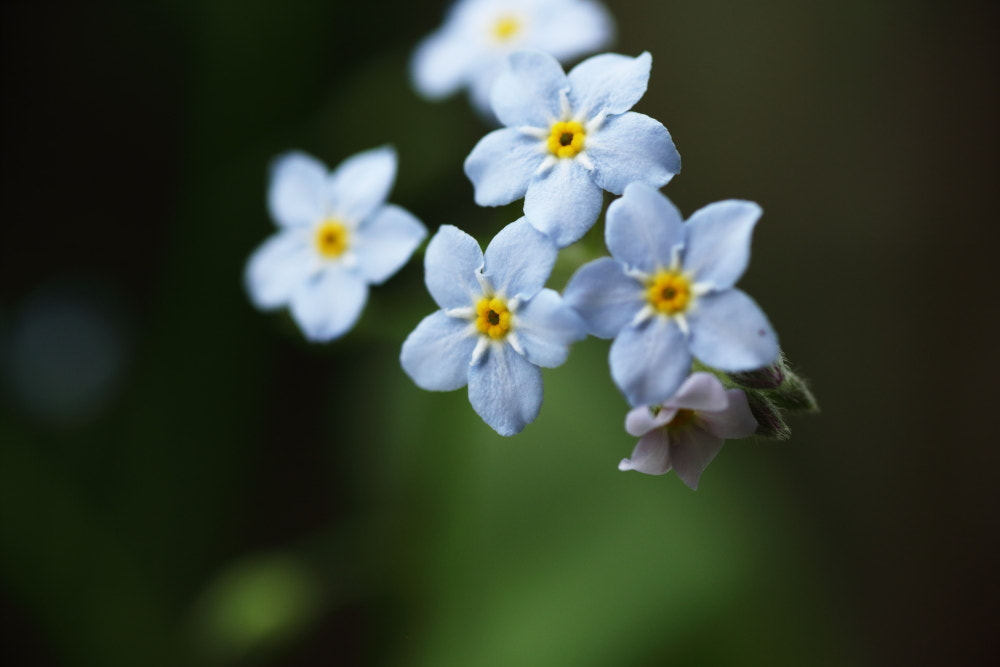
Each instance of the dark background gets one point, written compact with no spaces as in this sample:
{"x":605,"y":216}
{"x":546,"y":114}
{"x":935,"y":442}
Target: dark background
{"x":184,"y":481}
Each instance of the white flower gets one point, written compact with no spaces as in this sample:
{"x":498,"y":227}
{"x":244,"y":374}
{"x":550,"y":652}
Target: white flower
{"x":337,"y":235}
{"x":469,"y":49}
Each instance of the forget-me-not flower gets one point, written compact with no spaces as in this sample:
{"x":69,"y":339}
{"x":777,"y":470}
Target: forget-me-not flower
{"x":496,"y":326}
{"x":668,"y":293}
{"x":337,"y":235}
{"x":567,"y":138}
{"x":687,"y":430}
{"x":468,"y":50}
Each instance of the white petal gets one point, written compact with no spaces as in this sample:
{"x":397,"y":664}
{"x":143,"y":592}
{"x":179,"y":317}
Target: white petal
{"x":296,"y":192}
{"x":385,"y":242}
{"x":278,"y":267}
{"x":361,"y":184}
{"x":328,"y":305}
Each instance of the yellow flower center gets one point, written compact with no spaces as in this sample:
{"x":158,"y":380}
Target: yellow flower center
{"x":506,"y":27}
{"x":669,"y":292}
{"x":566,"y":138}
{"x":331,"y":239}
{"x":492,"y":317}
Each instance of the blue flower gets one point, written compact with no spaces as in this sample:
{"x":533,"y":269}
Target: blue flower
{"x":337,"y":235}
{"x":567,"y":138}
{"x":668,"y":293}
{"x":687,"y":430}
{"x":496,"y":325}
{"x":469,"y":49}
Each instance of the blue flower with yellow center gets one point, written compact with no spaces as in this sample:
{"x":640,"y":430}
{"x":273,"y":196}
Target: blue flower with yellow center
{"x":569,"y":137}
{"x":667,"y":293}
{"x":337,"y":236}
{"x":497,"y":324}
{"x":468,"y":50}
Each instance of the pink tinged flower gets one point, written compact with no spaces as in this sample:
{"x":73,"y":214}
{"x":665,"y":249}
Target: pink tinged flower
{"x":686,"y":432}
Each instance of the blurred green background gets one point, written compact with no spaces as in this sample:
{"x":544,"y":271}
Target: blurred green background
{"x":184,"y":481}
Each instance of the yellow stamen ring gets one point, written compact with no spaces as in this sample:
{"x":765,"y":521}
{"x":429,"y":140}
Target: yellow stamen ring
{"x":669,"y":292}
{"x":492,"y":317}
{"x":331,"y":239}
{"x":506,"y":27}
{"x":566,"y":138}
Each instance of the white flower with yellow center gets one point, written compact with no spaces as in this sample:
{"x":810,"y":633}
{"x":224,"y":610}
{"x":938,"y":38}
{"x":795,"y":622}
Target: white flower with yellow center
{"x":337,"y":236}
{"x":497,"y":324}
{"x":668,"y":293}
{"x":468,"y":50}
{"x":568,"y":137}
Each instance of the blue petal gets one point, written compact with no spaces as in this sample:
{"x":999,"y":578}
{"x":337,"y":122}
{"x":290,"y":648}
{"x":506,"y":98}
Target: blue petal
{"x":604,"y":297}
{"x":527,"y":90}
{"x":327,"y":306}
{"x":450,"y":266}
{"x":717,"y":249}
{"x":546,"y":327}
{"x":691,"y":450}
{"x":296,"y":193}
{"x":361,"y":184}
{"x":385,"y":242}
{"x":442,"y":63}
{"x":632,"y":148}
{"x":650,"y":361}
{"x":580,"y":27}
{"x":505,"y":389}
{"x":730,"y":332}
{"x":277,"y":268}
{"x":608,"y":82}
{"x":436,"y":355}
{"x":642,"y":229}
{"x":501,"y":165}
{"x":519,"y":260}
{"x":651,"y":454}
{"x":563,"y":203}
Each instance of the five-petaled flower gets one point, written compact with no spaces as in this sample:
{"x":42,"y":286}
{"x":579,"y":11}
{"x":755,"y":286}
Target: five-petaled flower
{"x":337,"y":236}
{"x":469,"y":49}
{"x":668,"y":293}
{"x":687,"y":430}
{"x":567,"y":138}
{"x":496,"y":326}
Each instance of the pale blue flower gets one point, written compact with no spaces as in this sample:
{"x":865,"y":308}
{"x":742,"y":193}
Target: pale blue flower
{"x":496,"y":326}
{"x":668,"y":293}
{"x":337,"y":236}
{"x":686,"y":431}
{"x":469,"y":49}
{"x":567,"y":138}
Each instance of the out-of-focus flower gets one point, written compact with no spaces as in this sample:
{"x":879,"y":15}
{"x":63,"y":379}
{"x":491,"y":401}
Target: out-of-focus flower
{"x":687,"y":430}
{"x":497,"y":325}
{"x":337,"y":236}
{"x":567,"y":138}
{"x":468,"y":50}
{"x":668,"y":293}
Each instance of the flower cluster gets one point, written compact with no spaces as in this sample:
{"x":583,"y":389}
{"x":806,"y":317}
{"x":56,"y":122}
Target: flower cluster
{"x":693,"y":355}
